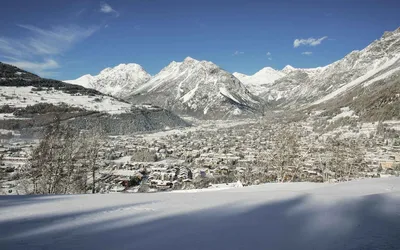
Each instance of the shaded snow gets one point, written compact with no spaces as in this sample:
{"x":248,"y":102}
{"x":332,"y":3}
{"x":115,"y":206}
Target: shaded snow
{"x":355,"y":215}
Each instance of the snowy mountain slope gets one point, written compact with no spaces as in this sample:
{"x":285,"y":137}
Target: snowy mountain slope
{"x":354,"y":215}
{"x":260,"y":81}
{"x":119,"y":81}
{"x":21,"y":90}
{"x":198,"y":88}
{"x":371,"y":76}
{"x":305,"y":86}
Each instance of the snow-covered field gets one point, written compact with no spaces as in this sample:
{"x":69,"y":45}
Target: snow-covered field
{"x":24,"y":96}
{"x":355,"y":215}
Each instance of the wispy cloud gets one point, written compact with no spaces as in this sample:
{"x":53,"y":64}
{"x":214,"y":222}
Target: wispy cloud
{"x":35,"y":51}
{"x":308,"y":42}
{"x":237,"y":52}
{"x":37,"y":67}
{"x":307,"y":53}
{"x":79,"y":12}
{"x":270,"y":58}
{"x":269,"y":53}
{"x":44,"y":42}
{"x":106,"y":8}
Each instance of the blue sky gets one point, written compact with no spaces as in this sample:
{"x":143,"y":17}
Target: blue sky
{"x":66,"y":39}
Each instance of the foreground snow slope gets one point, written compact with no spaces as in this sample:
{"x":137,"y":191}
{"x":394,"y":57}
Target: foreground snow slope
{"x":356,"y":215}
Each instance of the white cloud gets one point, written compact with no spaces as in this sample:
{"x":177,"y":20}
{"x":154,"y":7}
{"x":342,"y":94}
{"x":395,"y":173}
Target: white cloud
{"x":307,"y":53}
{"x":270,"y":58}
{"x":269,"y":53}
{"x":236,"y":53}
{"x":40,"y":68}
{"x":41,"y":44}
{"x":106,"y":8}
{"x":308,"y":42}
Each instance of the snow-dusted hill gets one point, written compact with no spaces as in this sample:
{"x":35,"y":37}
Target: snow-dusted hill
{"x":379,"y":60}
{"x":119,"y":81}
{"x":354,"y":215}
{"x":198,"y":88}
{"x":260,"y":81}
{"x":23,"y":96}
{"x":19,"y":89}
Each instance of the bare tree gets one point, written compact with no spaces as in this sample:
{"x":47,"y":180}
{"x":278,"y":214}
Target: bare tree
{"x":53,"y":161}
{"x":93,"y":141}
{"x":60,"y":164}
{"x":286,"y":152}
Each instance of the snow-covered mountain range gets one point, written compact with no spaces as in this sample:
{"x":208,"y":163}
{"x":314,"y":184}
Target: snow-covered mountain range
{"x":119,"y":81}
{"x":379,"y":60}
{"x":200,"y":88}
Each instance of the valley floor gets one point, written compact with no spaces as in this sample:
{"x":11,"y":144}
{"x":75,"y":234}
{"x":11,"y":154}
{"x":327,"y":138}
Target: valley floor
{"x":362,"y":214}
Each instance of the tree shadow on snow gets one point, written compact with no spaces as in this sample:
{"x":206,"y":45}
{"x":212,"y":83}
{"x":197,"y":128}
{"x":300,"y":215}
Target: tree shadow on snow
{"x":371,"y":222}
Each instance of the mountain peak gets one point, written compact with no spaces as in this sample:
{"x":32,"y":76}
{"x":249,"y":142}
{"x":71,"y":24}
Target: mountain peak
{"x":266,"y":70}
{"x":119,"y":81}
{"x":190,"y":59}
{"x":387,"y":34}
{"x":287,"y":69}
{"x":198,"y":88}
{"x":123,"y":67}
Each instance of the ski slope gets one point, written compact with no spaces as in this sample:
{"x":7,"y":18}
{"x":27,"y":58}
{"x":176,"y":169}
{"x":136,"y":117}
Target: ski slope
{"x":355,"y":215}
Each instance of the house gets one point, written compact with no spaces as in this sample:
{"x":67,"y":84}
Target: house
{"x":387,"y":165}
